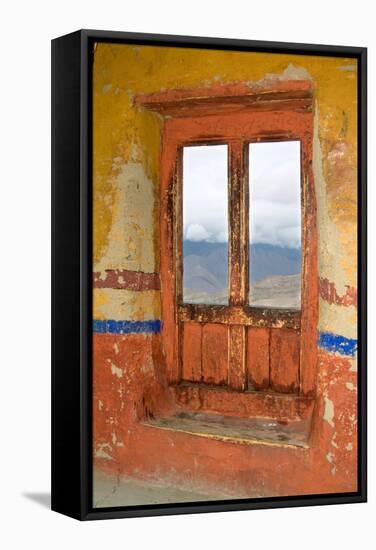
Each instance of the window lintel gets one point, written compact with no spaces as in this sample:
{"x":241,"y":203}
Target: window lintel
{"x":294,"y":95}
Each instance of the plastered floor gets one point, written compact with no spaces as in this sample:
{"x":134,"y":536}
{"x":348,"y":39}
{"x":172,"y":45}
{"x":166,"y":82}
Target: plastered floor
{"x":109,"y":491}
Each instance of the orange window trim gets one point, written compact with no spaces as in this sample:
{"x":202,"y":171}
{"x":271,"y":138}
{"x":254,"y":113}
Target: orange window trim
{"x":236,"y":114}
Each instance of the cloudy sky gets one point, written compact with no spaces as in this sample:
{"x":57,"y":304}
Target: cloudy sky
{"x":274,"y":172}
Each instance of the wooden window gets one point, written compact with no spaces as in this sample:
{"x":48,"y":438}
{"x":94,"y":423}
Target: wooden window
{"x":232,"y":342}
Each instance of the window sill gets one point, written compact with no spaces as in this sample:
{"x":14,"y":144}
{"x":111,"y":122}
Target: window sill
{"x":253,"y":431}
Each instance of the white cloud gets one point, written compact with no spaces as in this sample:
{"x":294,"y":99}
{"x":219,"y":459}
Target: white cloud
{"x":275,"y":209}
{"x":205,"y":193}
{"x":222,"y":237}
{"x":274,"y":193}
{"x":197,"y":232}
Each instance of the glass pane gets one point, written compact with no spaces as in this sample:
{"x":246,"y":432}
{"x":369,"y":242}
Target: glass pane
{"x":275,"y":224}
{"x":205,"y":225}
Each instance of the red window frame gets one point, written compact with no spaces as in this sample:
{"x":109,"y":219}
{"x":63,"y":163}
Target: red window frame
{"x":238,"y":115}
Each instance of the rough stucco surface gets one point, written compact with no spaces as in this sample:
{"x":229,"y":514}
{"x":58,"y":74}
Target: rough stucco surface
{"x":127,"y":145}
{"x":110,"y":303}
{"x":130,"y":239}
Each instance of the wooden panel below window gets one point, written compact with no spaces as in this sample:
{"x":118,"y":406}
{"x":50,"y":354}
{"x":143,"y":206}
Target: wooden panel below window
{"x":191,"y":368}
{"x":215,"y":354}
{"x":258,"y":358}
{"x":279,"y":406}
{"x":284,"y":360}
{"x":237,"y":375}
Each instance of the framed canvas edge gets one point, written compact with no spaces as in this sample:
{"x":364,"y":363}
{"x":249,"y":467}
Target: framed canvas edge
{"x":65,"y":255}
{"x":82,"y":429}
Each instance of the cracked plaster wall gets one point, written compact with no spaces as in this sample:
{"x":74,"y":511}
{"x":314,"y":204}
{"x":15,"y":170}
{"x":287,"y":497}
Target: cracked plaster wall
{"x":125,"y":235}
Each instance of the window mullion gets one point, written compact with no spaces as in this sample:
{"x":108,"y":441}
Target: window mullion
{"x":238,"y":225}
{"x":238,"y":245}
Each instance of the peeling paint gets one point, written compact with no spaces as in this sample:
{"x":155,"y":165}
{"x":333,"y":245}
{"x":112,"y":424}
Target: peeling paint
{"x":348,"y":68}
{"x":125,"y":279}
{"x":329,"y":411}
{"x":101,"y":453}
{"x":292,"y":72}
{"x":116,"y":371}
{"x":328,"y":292}
{"x":106,"y":88}
{"x":131,"y":237}
{"x":127,"y":147}
{"x":111,"y":326}
{"x":353,"y":366}
{"x":336,"y":343}
{"x":336,"y":319}
{"x":109,"y":303}
{"x":331,"y":250}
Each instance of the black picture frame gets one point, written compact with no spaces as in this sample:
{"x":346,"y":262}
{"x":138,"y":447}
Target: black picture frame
{"x":72,"y":267}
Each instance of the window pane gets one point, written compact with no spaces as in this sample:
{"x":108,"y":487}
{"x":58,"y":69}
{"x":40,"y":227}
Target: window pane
{"x":275,"y":224}
{"x":205,"y":231}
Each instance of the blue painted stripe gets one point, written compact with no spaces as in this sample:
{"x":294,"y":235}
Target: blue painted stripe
{"x":110,"y":326}
{"x":335,"y":343}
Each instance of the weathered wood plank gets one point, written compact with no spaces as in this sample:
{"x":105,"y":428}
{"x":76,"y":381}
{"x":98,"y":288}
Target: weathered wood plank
{"x":249,"y":431}
{"x":170,"y":330}
{"x":238,"y":265}
{"x":294,"y":96}
{"x":237,"y":370}
{"x":177,"y":216}
{"x":258,"y":358}
{"x":284,"y":360}
{"x":192,"y":352}
{"x":310,"y":290}
{"x":195,"y":108}
{"x":240,"y":315}
{"x":281,"y":406}
{"x":215,"y":354}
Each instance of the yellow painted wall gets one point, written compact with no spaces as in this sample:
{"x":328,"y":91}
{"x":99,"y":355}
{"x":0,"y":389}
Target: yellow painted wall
{"x":127,"y":147}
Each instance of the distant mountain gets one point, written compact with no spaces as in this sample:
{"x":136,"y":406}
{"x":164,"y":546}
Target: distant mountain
{"x":205,"y":266}
{"x":267,"y":260}
{"x":206,"y":271}
{"x":281,"y":291}
{"x":277,"y":291}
